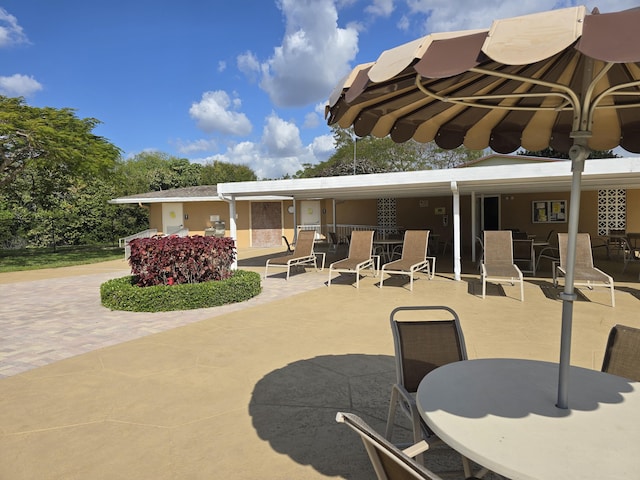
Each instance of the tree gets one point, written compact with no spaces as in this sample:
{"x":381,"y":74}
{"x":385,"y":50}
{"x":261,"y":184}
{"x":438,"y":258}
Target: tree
{"x":224,"y":172}
{"x":50,"y":139}
{"x":379,"y":155}
{"x":551,"y":153}
{"x":155,"y":171}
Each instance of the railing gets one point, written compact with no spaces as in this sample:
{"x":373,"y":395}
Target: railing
{"x":343,"y":231}
{"x":124,"y":242}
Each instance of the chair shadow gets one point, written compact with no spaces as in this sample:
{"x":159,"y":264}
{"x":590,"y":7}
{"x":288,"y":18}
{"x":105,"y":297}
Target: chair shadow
{"x":553,"y":293}
{"x":474,"y":287}
{"x":631,"y":291}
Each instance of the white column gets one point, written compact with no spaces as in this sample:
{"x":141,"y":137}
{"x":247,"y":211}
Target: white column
{"x":457,"y":267}
{"x":233,"y":228}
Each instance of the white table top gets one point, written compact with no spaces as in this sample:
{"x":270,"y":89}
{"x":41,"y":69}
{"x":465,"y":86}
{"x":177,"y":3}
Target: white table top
{"x":501,"y":414}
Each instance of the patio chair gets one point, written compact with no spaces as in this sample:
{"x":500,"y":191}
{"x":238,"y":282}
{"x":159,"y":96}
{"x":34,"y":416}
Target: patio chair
{"x":549,"y":251}
{"x":524,"y":254}
{"x":421,"y":346}
{"x":585,"y":274}
{"x":302,"y":254}
{"x":630,"y":254}
{"x":289,"y":245}
{"x":497,"y":264}
{"x":388,"y":461}
{"x":622,"y":354}
{"x":414,"y":257}
{"x":359,"y":258}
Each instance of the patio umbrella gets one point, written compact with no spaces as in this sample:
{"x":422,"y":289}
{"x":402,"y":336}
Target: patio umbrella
{"x":565,"y":78}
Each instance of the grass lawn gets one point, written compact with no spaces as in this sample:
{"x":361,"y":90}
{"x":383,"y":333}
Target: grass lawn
{"x":35,"y":258}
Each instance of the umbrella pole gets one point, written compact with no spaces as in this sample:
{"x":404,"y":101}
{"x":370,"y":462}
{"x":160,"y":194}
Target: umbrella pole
{"x":578,"y":155}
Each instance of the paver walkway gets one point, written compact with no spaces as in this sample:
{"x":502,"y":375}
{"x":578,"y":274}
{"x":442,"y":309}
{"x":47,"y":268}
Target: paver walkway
{"x":51,"y":319}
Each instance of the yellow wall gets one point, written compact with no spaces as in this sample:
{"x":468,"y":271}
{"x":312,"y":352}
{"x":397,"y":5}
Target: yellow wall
{"x":412,"y":213}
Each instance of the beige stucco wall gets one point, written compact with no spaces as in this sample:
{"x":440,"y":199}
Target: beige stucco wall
{"x":412,"y":213}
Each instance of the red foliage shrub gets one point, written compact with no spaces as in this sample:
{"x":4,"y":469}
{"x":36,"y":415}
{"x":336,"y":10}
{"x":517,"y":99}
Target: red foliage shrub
{"x":174,"y":260}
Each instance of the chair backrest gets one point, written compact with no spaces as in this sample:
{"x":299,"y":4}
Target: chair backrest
{"x":622,"y":354}
{"x":304,"y":243}
{"x":389,"y":462}
{"x":425,"y":340}
{"x":498,"y":247}
{"x":361,"y":243}
{"x":333,"y":238}
{"x":415,"y":244}
{"x":523,"y":250}
{"x":550,"y":236}
{"x":584,"y":255}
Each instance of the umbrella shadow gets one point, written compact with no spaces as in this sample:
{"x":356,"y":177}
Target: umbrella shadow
{"x":294,"y":409}
{"x":539,"y":396}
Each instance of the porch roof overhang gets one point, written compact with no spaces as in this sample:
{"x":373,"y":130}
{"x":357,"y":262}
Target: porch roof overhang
{"x":497,"y":179}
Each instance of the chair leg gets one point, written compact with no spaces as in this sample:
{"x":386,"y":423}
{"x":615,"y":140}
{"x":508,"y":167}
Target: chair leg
{"x":393,"y":403}
{"x":484,"y":287}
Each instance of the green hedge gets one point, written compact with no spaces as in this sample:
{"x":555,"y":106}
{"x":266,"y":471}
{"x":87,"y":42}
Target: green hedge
{"x":122,"y":294}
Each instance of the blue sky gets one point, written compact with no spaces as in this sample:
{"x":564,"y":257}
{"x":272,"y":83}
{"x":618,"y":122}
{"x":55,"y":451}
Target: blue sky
{"x":242,"y":81}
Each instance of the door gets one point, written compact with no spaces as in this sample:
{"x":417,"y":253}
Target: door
{"x":171,"y":217}
{"x":266,"y":224}
{"x":490,"y":215}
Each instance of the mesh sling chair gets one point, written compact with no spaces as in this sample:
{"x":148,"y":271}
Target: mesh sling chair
{"x":622,"y":354}
{"x":414,"y":257}
{"x":424,"y":338}
{"x":585,"y":274}
{"x":497,"y":264}
{"x":302,"y":254}
{"x":359,"y":256}
{"x":388,"y":461}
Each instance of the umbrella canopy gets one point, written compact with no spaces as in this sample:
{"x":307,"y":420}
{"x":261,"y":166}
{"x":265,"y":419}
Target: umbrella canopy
{"x":563,"y":78}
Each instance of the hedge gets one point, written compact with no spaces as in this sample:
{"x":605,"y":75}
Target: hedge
{"x":123,"y":294}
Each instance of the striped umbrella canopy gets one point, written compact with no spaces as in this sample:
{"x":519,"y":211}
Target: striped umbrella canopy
{"x":566,"y":79}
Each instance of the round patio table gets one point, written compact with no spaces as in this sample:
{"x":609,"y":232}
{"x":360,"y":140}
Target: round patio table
{"x":501,"y":414}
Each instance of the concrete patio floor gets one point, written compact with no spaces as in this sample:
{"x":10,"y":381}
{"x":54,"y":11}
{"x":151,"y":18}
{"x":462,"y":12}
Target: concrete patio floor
{"x":242,"y":391}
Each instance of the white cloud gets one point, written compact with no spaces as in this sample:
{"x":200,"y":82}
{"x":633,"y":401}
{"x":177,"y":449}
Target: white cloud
{"x":280,"y":137}
{"x":222,"y":66}
{"x":311,"y":120}
{"x":315,"y":54}
{"x":191,"y":147}
{"x":445,"y":15}
{"x":217,"y":112}
{"x":248,"y":63}
{"x":10,"y":32}
{"x":19,"y":86}
{"x":380,"y":8}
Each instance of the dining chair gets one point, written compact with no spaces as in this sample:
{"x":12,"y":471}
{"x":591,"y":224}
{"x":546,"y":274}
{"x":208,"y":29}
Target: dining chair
{"x":424,"y":338}
{"x":388,"y":461}
{"x":622,"y":353}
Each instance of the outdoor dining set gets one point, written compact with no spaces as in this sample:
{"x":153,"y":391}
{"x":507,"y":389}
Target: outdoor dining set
{"x":499,"y":414}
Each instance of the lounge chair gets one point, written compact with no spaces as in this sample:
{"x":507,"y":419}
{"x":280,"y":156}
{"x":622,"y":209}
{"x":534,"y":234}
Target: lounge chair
{"x":388,"y":461}
{"x":302,"y":254}
{"x":414,"y":257}
{"x":497,"y":264}
{"x":622,"y":354}
{"x":359,"y":258}
{"x":584,"y":274}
